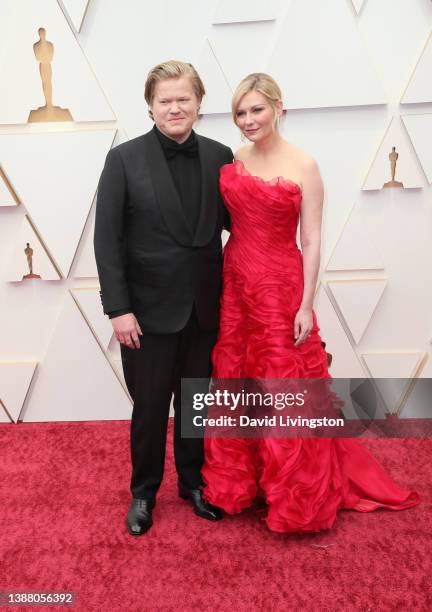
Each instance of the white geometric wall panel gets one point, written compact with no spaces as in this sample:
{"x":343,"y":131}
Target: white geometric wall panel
{"x":218,"y":92}
{"x":119,"y":43}
{"x":320,"y":59}
{"x":357,"y":300}
{"x":15,"y":379}
{"x":355,"y":249}
{"x":74,"y":85}
{"x":213,"y":125}
{"x":229,"y":11}
{"x":358,"y":5}
{"x":4,"y":417}
{"x":419,"y":128}
{"x":84,"y":265}
{"x":76,"y":10}
{"x":393,"y":365}
{"x":6,"y":195}
{"x":114,"y":350}
{"x":6,"y":198}
{"x":390,"y":366}
{"x":18,"y":266}
{"x":345,"y":362}
{"x":28,"y":312}
{"x":342,"y":142}
{"x":418,"y":403}
{"x":419,"y":88}
{"x":75,"y":382}
{"x":56,"y":176}
{"x":407,"y":167}
{"x":240,"y":41}
{"x":123,"y":40}
{"x":89,"y":302}
{"x":118,"y":367}
{"x":395,"y":33}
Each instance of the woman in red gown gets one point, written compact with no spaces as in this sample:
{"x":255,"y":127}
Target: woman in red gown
{"x":269,"y":330}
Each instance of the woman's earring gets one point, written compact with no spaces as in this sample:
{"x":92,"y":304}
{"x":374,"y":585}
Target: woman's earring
{"x":242,"y":137}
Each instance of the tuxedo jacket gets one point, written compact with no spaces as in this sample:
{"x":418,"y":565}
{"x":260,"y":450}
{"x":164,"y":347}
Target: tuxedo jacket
{"x":149,"y":258}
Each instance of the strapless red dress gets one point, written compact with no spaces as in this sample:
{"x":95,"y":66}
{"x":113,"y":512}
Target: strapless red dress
{"x":305,"y":481}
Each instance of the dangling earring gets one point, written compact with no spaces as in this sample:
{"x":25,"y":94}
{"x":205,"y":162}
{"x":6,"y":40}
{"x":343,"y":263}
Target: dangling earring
{"x":242,"y":137}
{"x":281,"y":116}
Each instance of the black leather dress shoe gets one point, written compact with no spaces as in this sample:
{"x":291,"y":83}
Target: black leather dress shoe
{"x":139,"y":517}
{"x":201,"y":507}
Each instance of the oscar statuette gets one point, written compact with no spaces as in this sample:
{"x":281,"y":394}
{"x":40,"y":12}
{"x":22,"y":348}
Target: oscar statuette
{"x":29,"y":254}
{"x":393,"y":157}
{"x":44,"y":52}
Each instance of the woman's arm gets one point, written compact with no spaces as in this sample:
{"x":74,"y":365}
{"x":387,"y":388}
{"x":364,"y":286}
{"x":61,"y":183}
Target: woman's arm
{"x":310,"y":240}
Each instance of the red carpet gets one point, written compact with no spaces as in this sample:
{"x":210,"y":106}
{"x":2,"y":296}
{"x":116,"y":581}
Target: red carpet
{"x":64,"y":493}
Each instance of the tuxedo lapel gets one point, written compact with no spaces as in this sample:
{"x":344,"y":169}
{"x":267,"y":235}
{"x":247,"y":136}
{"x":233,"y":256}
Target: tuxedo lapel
{"x":166,"y":193}
{"x":209,"y":201}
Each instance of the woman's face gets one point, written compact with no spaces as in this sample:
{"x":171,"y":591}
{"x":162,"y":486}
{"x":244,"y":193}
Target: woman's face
{"x":255,"y":116}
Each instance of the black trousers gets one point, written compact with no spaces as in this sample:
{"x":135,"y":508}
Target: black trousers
{"x":153,"y":373}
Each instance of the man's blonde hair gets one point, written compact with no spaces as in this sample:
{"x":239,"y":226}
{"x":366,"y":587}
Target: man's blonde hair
{"x":261,"y":82}
{"x":173,"y":69}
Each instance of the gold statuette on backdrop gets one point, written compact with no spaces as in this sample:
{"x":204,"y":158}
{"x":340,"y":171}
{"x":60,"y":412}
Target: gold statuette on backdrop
{"x":393,"y":157}
{"x":29,"y":254}
{"x":44,"y":52}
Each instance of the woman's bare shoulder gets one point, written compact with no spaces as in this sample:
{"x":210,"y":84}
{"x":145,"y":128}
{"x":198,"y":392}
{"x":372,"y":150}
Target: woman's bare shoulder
{"x":243,"y":152}
{"x":307,"y":168}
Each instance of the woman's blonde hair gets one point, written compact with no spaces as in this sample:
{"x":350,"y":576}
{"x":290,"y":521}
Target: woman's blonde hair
{"x":261,"y":82}
{"x":173,"y":69}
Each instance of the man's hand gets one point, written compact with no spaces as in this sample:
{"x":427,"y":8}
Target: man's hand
{"x":127,"y":330}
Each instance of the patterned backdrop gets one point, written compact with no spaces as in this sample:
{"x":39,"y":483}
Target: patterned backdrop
{"x":356,"y":81}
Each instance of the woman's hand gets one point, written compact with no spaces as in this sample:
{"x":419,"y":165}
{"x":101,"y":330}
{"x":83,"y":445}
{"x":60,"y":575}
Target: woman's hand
{"x":303,"y":323}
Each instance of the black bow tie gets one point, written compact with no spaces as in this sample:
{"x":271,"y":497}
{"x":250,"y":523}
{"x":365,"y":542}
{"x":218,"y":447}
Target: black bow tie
{"x":188,"y":148}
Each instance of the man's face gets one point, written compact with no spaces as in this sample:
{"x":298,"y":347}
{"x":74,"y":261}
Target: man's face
{"x":175,"y":107}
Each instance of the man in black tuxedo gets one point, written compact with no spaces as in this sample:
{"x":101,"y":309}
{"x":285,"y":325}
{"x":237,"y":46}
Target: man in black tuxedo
{"x":159,"y":218}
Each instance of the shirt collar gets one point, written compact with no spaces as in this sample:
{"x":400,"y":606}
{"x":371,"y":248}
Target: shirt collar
{"x":169,"y":143}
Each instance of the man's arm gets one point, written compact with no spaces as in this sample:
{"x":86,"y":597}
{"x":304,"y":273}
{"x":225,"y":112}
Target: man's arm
{"x":109,"y":242}
{"x":109,"y":245}
{"x":227,"y":218}
{"x":118,"y":313}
